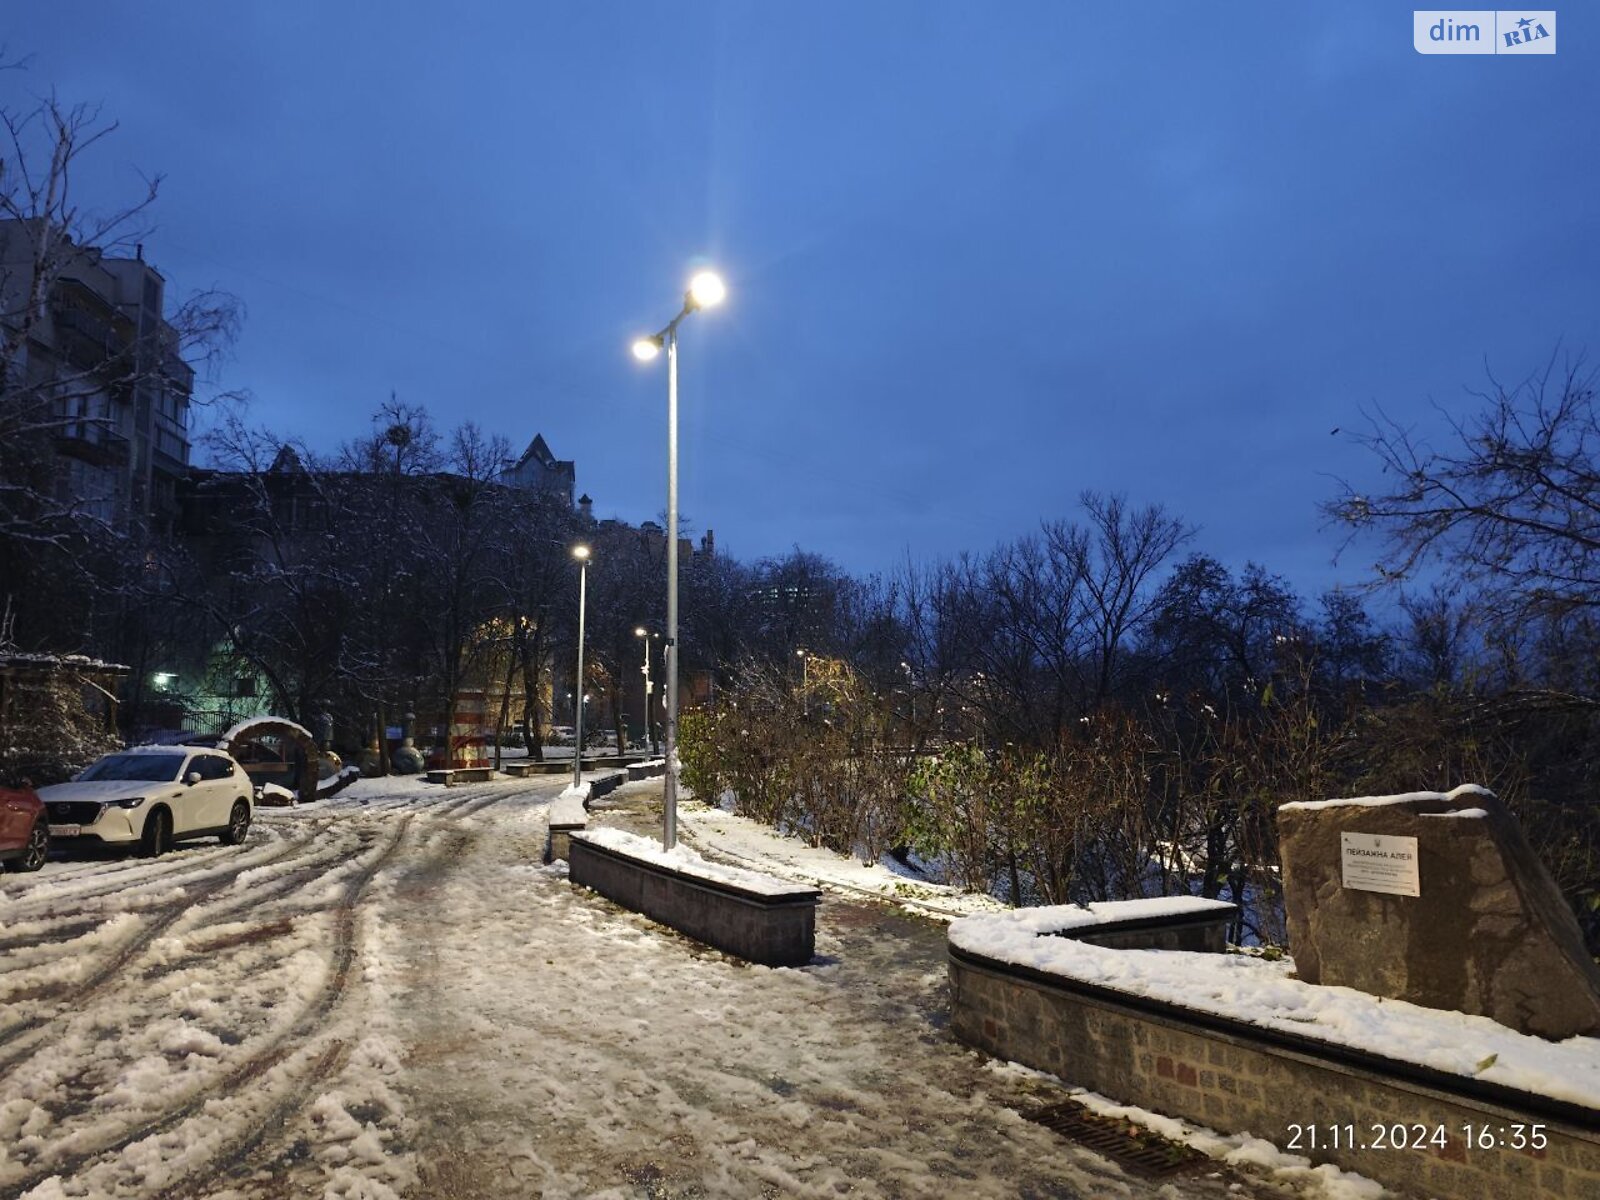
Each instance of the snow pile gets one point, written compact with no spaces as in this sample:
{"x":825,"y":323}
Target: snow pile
{"x":1257,"y":992}
{"x":275,"y":795}
{"x":686,"y":862}
{"x":335,"y":783}
{"x":718,"y":831}
{"x":1466,"y":789}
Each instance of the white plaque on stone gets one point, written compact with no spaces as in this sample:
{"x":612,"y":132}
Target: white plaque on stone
{"x":1375,"y":862}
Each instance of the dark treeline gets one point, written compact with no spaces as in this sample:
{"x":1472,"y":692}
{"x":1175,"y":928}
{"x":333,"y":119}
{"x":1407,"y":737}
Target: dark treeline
{"x":1113,"y":712}
{"x":1092,"y":710}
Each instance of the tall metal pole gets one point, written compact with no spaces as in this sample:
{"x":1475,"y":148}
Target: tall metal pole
{"x":577,"y":746}
{"x":669,"y":815}
{"x":649,"y":725}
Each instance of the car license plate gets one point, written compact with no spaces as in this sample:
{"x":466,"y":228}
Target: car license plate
{"x":65,"y":830}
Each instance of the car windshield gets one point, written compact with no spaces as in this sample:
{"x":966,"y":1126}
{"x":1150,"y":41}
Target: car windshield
{"x":156,"y":768}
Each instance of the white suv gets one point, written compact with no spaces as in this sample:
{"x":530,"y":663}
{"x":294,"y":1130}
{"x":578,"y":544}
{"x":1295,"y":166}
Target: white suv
{"x":152,"y":796}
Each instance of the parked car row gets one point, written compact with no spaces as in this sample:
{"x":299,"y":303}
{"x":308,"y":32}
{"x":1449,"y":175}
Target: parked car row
{"x":148,"y":797}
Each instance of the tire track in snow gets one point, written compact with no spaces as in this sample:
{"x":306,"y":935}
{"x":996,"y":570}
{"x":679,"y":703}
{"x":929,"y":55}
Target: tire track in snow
{"x":281,"y":1046}
{"x":119,"y":877}
{"x":75,"y":993}
{"x":241,"y":1160}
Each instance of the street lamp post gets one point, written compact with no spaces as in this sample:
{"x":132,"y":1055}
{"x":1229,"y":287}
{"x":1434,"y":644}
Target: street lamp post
{"x":649,"y":727}
{"x":581,"y":553}
{"x":706,"y":290}
{"x":805,"y":680}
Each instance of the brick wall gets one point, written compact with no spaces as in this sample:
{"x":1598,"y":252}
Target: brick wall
{"x":1234,"y":1083}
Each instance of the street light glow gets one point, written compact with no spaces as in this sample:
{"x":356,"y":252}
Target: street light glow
{"x":707,"y":289}
{"x":640,"y":632}
{"x":580,"y":552}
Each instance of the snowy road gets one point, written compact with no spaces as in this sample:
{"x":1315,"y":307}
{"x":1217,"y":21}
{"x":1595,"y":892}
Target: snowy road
{"x":387,"y":995}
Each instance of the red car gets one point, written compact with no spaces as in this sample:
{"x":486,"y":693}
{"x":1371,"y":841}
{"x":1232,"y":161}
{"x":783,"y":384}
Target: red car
{"x":24,"y":830}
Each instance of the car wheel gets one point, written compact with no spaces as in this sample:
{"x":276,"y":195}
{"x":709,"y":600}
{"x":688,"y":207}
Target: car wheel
{"x":36,"y":851}
{"x":157,"y":838}
{"x":238,"y":824}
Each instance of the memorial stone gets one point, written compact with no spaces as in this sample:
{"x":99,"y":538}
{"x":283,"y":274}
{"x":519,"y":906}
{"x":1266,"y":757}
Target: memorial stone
{"x":1437,"y":899}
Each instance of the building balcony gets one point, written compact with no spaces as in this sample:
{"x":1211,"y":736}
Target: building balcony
{"x":92,"y":442}
{"x":88,"y":341}
{"x":171,"y":451}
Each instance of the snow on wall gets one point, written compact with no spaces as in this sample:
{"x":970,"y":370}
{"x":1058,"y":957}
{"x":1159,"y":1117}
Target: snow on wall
{"x":1257,"y":992}
{"x":686,"y":862}
{"x":1466,"y":789}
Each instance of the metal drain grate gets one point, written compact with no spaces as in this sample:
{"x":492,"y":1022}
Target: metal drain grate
{"x":1131,"y":1145}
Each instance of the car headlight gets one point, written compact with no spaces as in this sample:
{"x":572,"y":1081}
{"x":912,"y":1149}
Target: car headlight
{"x":134,"y":803}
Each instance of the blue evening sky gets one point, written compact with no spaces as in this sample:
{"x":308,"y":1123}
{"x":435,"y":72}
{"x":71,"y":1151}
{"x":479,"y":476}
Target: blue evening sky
{"x":981,"y":256}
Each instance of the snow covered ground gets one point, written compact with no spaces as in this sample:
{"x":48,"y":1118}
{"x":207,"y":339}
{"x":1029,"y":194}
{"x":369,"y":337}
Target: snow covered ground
{"x":385,"y":994}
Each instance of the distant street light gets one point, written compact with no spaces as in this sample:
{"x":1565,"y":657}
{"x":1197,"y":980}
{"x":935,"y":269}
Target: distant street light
{"x":581,"y":553}
{"x":805,"y":680}
{"x":649,"y":726}
{"x":706,"y":290}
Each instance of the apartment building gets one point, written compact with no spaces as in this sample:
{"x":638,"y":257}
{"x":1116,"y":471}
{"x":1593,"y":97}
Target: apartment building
{"x":86,"y":331}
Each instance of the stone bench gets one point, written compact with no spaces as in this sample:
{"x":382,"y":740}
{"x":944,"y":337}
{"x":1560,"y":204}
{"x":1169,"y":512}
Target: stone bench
{"x":653,"y":769}
{"x":569,"y":814}
{"x":606,"y":784}
{"x":776,"y":928}
{"x":473,"y":774}
{"x":444,"y":776}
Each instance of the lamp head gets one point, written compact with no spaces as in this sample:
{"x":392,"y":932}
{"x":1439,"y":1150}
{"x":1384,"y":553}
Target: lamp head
{"x":646,"y":348}
{"x":706,"y":290}
{"x":580,"y":552}
{"x":641,"y":631}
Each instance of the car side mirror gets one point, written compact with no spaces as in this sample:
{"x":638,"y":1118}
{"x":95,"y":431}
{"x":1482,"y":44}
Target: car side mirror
{"x":192,"y":778}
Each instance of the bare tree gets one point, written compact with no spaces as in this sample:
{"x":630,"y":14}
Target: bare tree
{"x":1510,"y":508}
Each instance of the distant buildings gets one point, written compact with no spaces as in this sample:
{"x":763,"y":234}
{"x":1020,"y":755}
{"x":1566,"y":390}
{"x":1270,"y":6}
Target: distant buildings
{"x":87,"y":331}
{"x":539,"y":470}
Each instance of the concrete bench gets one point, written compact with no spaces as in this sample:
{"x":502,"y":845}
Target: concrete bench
{"x":606,"y":784}
{"x":445,"y":777}
{"x":650,"y":769}
{"x":775,"y":928}
{"x":473,"y":774}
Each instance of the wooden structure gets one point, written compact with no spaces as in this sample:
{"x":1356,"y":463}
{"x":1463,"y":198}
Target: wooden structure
{"x":276,"y":750}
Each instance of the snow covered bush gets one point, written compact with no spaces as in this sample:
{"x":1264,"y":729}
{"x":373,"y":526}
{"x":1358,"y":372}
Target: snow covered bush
{"x":47,"y":733}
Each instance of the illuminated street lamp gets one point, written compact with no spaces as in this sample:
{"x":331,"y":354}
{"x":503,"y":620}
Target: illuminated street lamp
{"x":805,"y":679}
{"x":581,"y":553}
{"x":706,"y":290}
{"x":649,"y":729}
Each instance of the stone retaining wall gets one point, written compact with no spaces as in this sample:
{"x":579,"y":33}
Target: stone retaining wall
{"x":1236,"y":1080}
{"x":779,"y":931}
